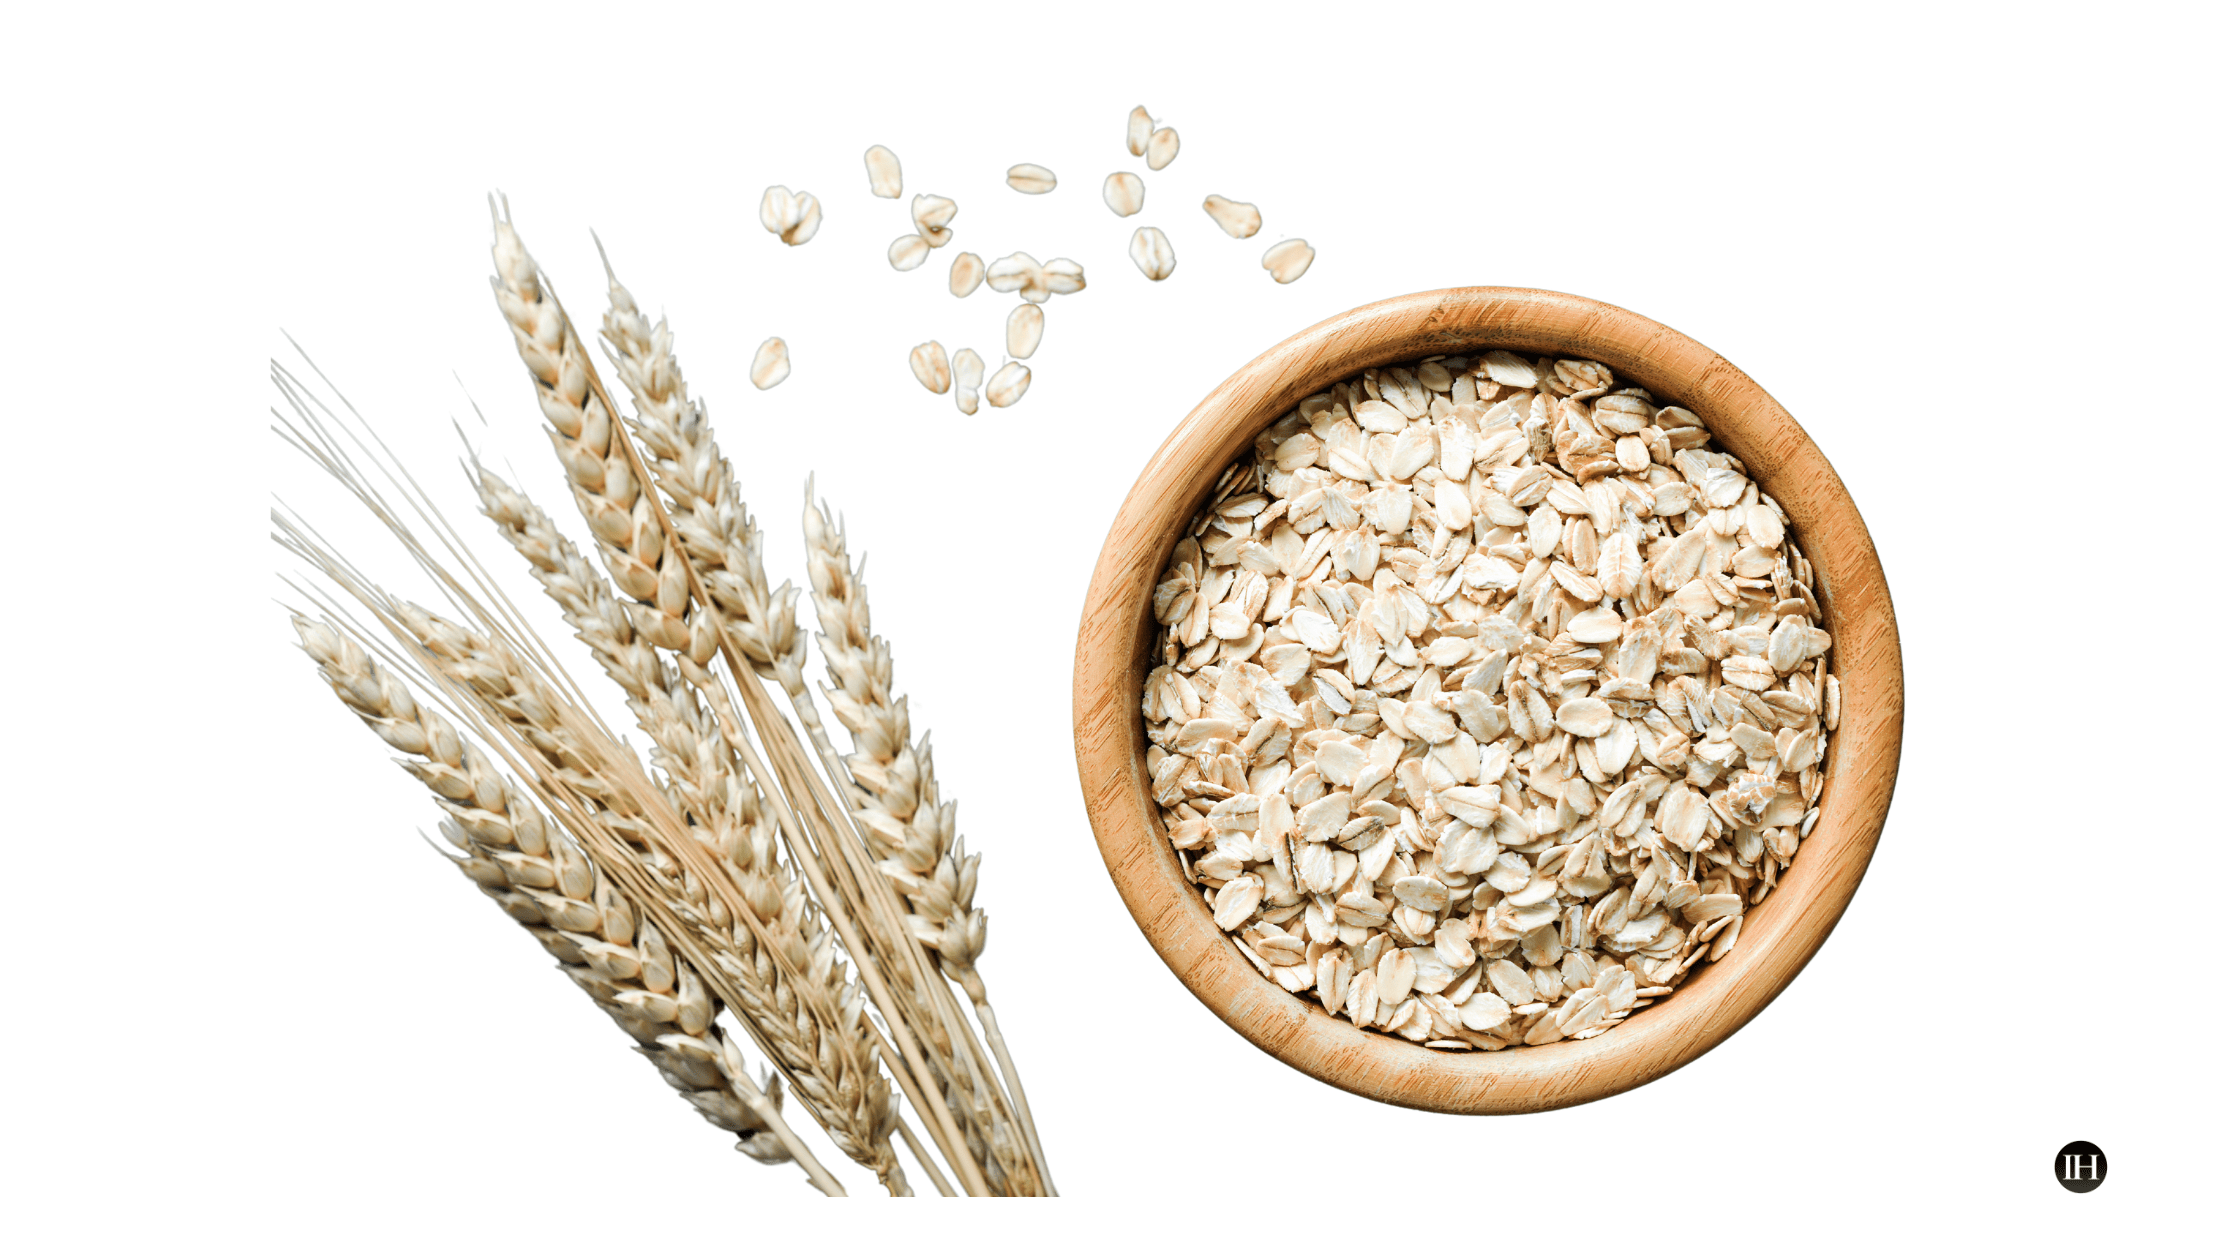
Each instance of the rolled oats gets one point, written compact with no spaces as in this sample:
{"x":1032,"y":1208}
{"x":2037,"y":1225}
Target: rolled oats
{"x":1123,"y":193}
{"x":885,"y":170}
{"x":1489,"y":698}
{"x":1139,"y":130}
{"x":793,"y":217}
{"x":907,"y":252}
{"x":1009,"y":384}
{"x":1238,"y":218}
{"x":965,"y":274}
{"x":1033,"y":281}
{"x":932,"y":216}
{"x":1022,"y":330}
{"x":1163,"y":147}
{"x":930,"y":364}
{"x":1288,"y":260}
{"x":1028,"y":178}
{"x":1149,"y":251}
{"x":966,"y":368}
{"x":771,"y":364}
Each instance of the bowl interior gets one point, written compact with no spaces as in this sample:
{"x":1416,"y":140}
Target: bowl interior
{"x":1113,"y":651}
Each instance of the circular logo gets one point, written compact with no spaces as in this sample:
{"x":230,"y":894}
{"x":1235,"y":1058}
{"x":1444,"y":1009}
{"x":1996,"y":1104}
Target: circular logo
{"x":2080,"y":1167}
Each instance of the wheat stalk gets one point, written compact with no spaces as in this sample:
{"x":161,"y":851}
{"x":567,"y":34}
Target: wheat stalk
{"x":786,"y":989}
{"x":676,"y":897}
{"x":789,"y":984}
{"x":724,"y":548}
{"x":705,"y":772}
{"x":576,"y":404}
{"x":602,"y":474}
{"x":912,"y":830}
{"x":754,"y":624}
{"x":718,"y":536}
{"x":546,"y":884}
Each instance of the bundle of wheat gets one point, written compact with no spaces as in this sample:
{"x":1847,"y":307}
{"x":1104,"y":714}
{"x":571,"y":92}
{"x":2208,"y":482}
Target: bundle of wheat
{"x":745,"y":865}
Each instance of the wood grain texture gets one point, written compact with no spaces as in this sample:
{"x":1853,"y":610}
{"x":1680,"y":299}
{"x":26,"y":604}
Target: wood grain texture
{"x":1782,"y":932}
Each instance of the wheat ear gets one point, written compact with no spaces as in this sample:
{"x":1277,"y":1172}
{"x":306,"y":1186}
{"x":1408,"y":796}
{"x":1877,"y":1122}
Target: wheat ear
{"x":762,"y":932}
{"x":544,"y":883}
{"x":725,"y":552}
{"x":601,"y":473}
{"x":718,"y":536}
{"x":724,"y":804}
{"x":786,"y":990}
{"x":581,"y":417}
{"x":912,"y":830}
{"x":780,"y":648}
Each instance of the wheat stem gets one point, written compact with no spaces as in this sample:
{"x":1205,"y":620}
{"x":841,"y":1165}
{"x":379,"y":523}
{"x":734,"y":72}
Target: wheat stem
{"x":896,"y":792}
{"x":925,"y":1161}
{"x":768,"y":944}
{"x":546,"y":884}
{"x":724,"y":548}
{"x":633,"y":528}
{"x":758,"y":948}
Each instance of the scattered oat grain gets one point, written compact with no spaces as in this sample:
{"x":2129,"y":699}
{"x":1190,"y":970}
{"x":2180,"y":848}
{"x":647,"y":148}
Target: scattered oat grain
{"x":1151,"y":253}
{"x":965,"y":274}
{"x":885,"y":170}
{"x":1028,"y":178}
{"x":793,"y":217}
{"x":1239,"y":219}
{"x":930,"y":364}
{"x":1022,"y":330}
{"x":1139,"y":130}
{"x":1165,"y":144}
{"x":1288,"y":260}
{"x":1010,"y":384}
{"x":771,"y":364}
{"x":966,"y":368}
{"x":1123,"y":193}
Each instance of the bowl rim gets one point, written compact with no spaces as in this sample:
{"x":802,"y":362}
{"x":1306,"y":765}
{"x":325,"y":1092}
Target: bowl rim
{"x":1112,"y":650}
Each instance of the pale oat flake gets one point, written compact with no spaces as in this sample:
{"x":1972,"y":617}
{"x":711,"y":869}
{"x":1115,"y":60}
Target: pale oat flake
{"x":1022,"y":330}
{"x":907,"y":252}
{"x":1123,"y":193}
{"x":771,"y":364}
{"x":966,"y":368}
{"x":1009,"y":385}
{"x":965,"y":274}
{"x":1139,"y":130}
{"x":932,"y":215}
{"x":930,"y":364}
{"x":1239,"y":219}
{"x":1028,"y":178}
{"x":1164,"y":145}
{"x":1149,"y":251}
{"x":1288,"y":260}
{"x":885,"y":170}
{"x":793,"y":217}
{"x":1033,"y":281}
{"x":1489,"y":698}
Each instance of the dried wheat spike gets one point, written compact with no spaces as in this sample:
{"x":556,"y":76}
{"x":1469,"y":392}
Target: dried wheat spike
{"x":725,"y":549}
{"x":720,"y":538}
{"x":534,"y":873}
{"x":815,"y":1034}
{"x":704,"y":778}
{"x":912,"y":831}
{"x":897,"y":798}
{"x":589,"y":445}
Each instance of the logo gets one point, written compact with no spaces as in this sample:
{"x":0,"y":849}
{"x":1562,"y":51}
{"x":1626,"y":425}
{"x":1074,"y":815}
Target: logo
{"x":2080,"y":1167}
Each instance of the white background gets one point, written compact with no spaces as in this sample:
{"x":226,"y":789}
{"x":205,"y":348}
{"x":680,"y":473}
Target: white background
{"x":1982,"y":253}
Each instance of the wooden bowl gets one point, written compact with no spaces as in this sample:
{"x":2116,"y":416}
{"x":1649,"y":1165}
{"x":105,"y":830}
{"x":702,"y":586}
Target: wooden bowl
{"x":1112,"y":654}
